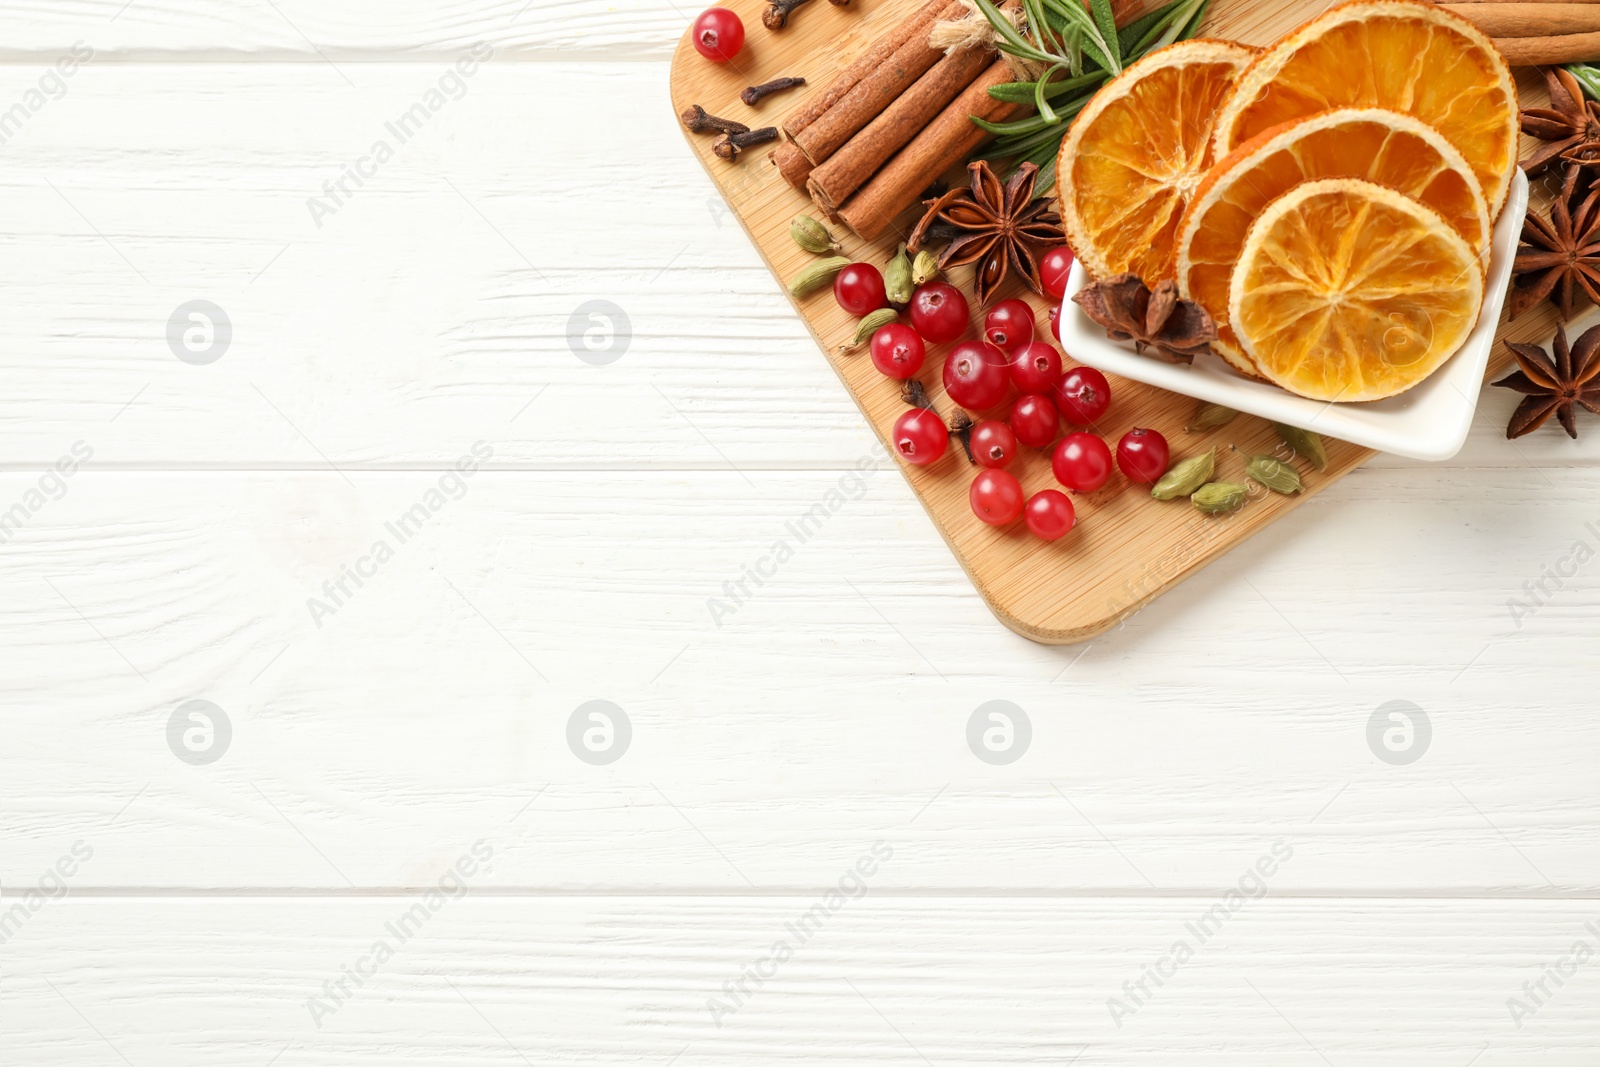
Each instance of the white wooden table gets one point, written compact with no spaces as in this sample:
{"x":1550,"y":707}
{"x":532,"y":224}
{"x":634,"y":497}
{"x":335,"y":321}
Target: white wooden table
{"x":797,"y":771}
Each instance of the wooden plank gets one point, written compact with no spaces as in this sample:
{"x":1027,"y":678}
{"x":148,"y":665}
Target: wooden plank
{"x":344,"y":35}
{"x":1056,"y":593}
{"x":432,"y":705}
{"x":879,"y":980}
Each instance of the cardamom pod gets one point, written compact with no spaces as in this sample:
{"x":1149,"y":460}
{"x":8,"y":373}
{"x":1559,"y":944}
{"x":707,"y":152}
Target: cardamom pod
{"x":1185,"y":477}
{"x":812,"y":235}
{"x":818,"y":275}
{"x":925,"y":268}
{"x":897,"y":279}
{"x":1215,"y":498}
{"x":1305,"y":443}
{"x":1275,"y":474}
{"x":869,"y":326}
{"x":1210,"y":417}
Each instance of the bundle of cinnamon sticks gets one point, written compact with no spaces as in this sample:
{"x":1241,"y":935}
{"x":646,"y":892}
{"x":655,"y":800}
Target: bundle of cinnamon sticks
{"x":1537,"y":32}
{"x":897,"y":118}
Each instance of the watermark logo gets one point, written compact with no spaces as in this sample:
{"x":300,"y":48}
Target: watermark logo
{"x":51,"y":486}
{"x":851,"y":486}
{"x":1138,"y":992}
{"x":450,"y":486}
{"x":599,"y":732}
{"x":1399,"y":733}
{"x":599,"y":332}
{"x":1553,"y":578}
{"x":51,"y":85}
{"x":451,"y":85}
{"x":999,"y":732}
{"x":199,"y":732}
{"x":452,"y":885}
{"x":52,"y":886}
{"x":199,"y":332}
{"x":1537,"y":992}
{"x":851,"y":885}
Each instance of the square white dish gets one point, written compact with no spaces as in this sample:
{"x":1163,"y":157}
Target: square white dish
{"x":1428,"y":422}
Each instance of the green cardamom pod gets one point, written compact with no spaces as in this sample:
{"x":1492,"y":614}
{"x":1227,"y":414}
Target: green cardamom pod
{"x":1210,"y":417}
{"x":869,"y":326}
{"x":1185,"y":477}
{"x":925,"y":268}
{"x":1305,"y":443}
{"x":1275,"y":474}
{"x":897,"y":279}
{"x":818,"y":275}
{"x":812,"y":235}
{"x":1215,"y":498}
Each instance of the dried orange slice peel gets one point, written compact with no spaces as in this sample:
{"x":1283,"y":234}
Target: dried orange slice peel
{"x":1346,"y":291}
{"x":1383,"y":146}
{"x":1404,"y":55}
{"x":1135,"y":154}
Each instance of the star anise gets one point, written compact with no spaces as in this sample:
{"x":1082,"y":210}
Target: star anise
{"x":1570,"y":126}
{"x":1128,"y":310}
{"x":1560,"y":255}
{"x":1555,"y":385}
{"x":1001,"y":228}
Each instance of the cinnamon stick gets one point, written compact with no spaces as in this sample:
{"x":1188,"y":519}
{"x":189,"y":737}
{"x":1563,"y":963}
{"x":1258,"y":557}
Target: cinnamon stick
{"x":946,"y":141}
{"x":851,"y":166}
{"x":920,"y":24}
{"x":871,"y":95}
{"x":1543,"y":51}
{"x":1520,"y":18}
{"x":792,"y":164}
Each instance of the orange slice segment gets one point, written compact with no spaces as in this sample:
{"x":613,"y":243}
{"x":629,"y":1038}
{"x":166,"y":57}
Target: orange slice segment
{"x":1405,"y":55}
{"x":1135,"y":154}
{"x":1382,"y":146}
{"x":1346,"y":290}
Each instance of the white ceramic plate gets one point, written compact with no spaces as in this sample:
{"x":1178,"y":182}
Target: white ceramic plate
{"x":1429,"y":421}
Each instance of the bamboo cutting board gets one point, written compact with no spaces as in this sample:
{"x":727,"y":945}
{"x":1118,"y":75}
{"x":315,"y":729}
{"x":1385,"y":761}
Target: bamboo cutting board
{"x":1127,"y":548}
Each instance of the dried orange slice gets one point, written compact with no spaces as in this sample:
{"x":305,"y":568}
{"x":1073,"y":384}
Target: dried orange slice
{"x":1405,"y":55}
{"x":1346,"y":290}
{"x":1133,"y":156}
{"x":1382,"y":146}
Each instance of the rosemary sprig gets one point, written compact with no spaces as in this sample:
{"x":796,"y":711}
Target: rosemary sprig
{"x":1079,"y":49}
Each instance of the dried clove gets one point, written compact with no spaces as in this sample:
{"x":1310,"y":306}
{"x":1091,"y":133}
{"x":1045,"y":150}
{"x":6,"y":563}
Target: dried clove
{"x":914,"y":394}
{"x":729,"y":145}
{"x":696,"y":120}
{"x":961,"y":429}
{"x":776,"y":16}
{"x":756,"y":93}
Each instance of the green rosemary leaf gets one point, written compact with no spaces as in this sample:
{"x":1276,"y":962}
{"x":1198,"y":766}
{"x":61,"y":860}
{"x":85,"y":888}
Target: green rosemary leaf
{"x":1041,"y":103}
{"x":1010,"y":40}
{"x":1008,"y":129}
{"x":1093,"y":49}
{"x":1131,"y":34}
{"x":1183,"y":25}
{"x":1106,"y":23}
{"x":1174,"y":14}
{"x":1022,"y":92}
{"x":1043,"y":34}
{"x":1046,"y":179}
{"x":1194,"y":23}
{"x":1093,"y":44}
{"x":1013,"y":92}
{"x":1015,"y":147}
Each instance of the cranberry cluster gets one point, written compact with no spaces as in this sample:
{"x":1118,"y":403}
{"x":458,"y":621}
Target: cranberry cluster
{"x":979,"y":375}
